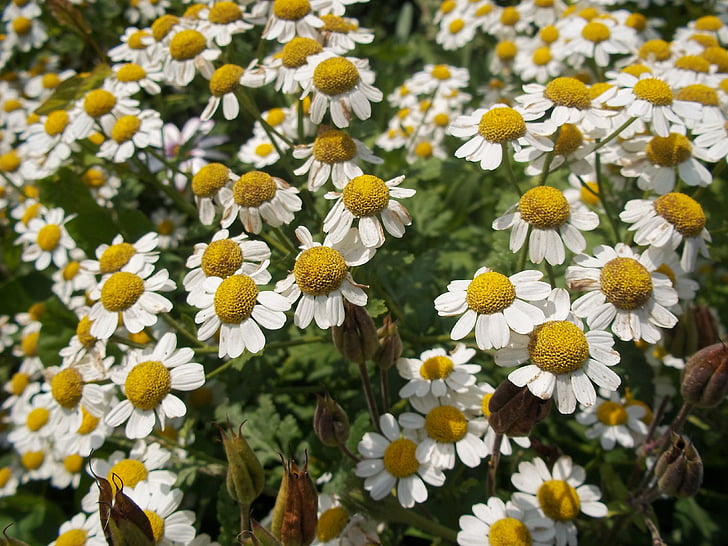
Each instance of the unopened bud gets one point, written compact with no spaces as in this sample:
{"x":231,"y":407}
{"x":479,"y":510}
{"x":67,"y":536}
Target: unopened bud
{"x":330,"y":422}
{"x":707,"y":326}
{"x":679,"y":469}
{"x":697,"y":328}
{"x":295,"y":514}
{"x":245,"y":477}
{"x":705,"y":377}
{"x":390,"y":344}
{"x":356,"y":339}
{"x":514,"y":410}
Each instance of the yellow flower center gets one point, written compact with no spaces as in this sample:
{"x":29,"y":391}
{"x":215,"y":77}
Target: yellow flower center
{"x":165,"y":227}
{"x":399,"y":458}
{"x":162,"y":25}
{"x":485,"y":404}
{"x":88,"y":423}
{"x":436,"y":367}
{"x":276,"y":116}
{"x":222,"y":13}
{"x":22,"y":25}
{"x":570,"y":138}
{"x":333,"y":146}
{"x":509,"y":532}
{"x":136,"y":40}
{"x":73,"y":464}
{"x":48,"y":237}
{"x":130,"y":471}
{"x":29,"y":344}
{"x":484,"y":10}
{"x":590,"y":193}
{"x":50,"y":80}
{"x":9,"y":162}
{"x":331,"y":523}
{"x":72,"y":537}
{"x":115,"y":257}
{"x":291,"y":10}
{"x":334,"y":23}
{"x":441,"y":72}
{"x":589,"y":13}
{"x":83,"y":332}
{"x":549,"y":34}
{"x":544,"y":207}
{"x":56,"y":122}
{"x":566,"y":91}
{"x":67,"y":387}
{"x":490,"y":292}
{"x":125,"y":128}
{"x":636,"y":21}
{"x":99,"y":102}
{"x":37,"y":419}
{"x":70,"y":271}
{"x":595,"y":32}
{"x":222,"y":258}
{"x":96,"y":138}
{"x":501,"y":125}
{"x":295,"y":52}
{"x":657,"y":49}
{"x":32,"y":460}
{"x":140,"y":338}
{"x":157,"y":524}
{"x":130,"y":72}
{"x":705,"y":40}
{"x":225,"y":79}
{"x":121,"y":291}
{"x":209,"y":179}
{"x":709,"y":23}
{"x":335,"y":75}
{"x":32,"y":118}
{"x":147,"y":384}
{"x":653,"y":90}
{"x":694,"y":63}
{"x":510,"y":16}
{"x":446,"y":424}
{"x":37,"y":310}
{"x":626,"y":283}
{"x":253,"y":189}
{"x":544,"y":3}
{"x":456,"y":25}
{"x":441,"y":120}
{"x":558,"y":346}
{"x":506,"y":50}
{"x":5,"y":475}
{"x":264,"y":149}
{"x":319,"y":270}
{"x":558,"y":500}
{"x":235,"y":299}
{"x":699,"y":93}
{"x":186,"y":44}
{"x":669,"y":273}
{"x":683,"y":212}
{"x":670,"y":150}
{"x":718,"y":56}
{"x":611,"y":413}
{"x":423,"y":149}
{"x":193,"y":12}
{"x":18,"y":383}
{"x":365,"y":195}
{"x":541,"y":56}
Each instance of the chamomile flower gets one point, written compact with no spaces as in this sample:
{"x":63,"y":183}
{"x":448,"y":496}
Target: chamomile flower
{"x":130,"y":133}
{"x":559,"y":495}
{"x":47,"y":143}
{"x":493,"y":305}
{"x":80,"y":529}
{"x":71,"y":279}
{"x":136,"y":47}
{"x":121,"y":256}
{"x":614,"y":422}
{"x":341,"y":34}
{"x":289,"y":18}
{"x":170,"y":226}
{"x":598,"y":39}
{"x":337,"y":527}
{"x":46,"y":240}
{"x":226,"y":80}
{"x":160,"y":504}
{"x":321,"y":280}
{"x":9,"y":479}
{"x":259,"y":151}
{"x":39,"y":464}
{"x":88,"y":437}
{"x":438,"y":372}
{"x":221,"y":21}
{"x":34,"y":423}
{"x":102,"y":184}
{"x":389,"y":462}
{"x":147,"y":379}
{"x":129,"y":78}
{"x":455,"y":32}
{"x":206,"y":186}
{"x":26,"y":33}
{"x":97,"y":105}
{"x":626,"y":293}
{"x":189,"y":51}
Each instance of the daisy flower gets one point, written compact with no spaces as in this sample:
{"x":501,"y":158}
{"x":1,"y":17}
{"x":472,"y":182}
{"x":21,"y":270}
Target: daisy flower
{"x":129,"y":78}
{"x":88,"y":437}
{"x":9,"y":480}
{"x":130,"y":133}
{"x":80,"y":529}
{"x":341,"y":84}
{"x":96,"y":105}
{"x":147,"y":379}
{"x":259,"y":151}
{"x":455,"y":32}
{"x":492,"y":128}
{"x":224,"y":83}
{"x":122,"y":256}
{"x":614,"y":422}
{"x":170,"y":227}
{"x":136,"y":47}
{"x":668,"y":221}
{"x":189,"y":51}
{"x":362,"y":199}
{"x":598,"y":40}
{"x":436,"y":372}
{"x":206,"y":185}
{"x":221,"y":21}
{"x":321,"y":280}
{"x":341,"y":34}
{"x":337,"y":527}
{"x":497,"y":523}
{"x":46,"y":240}
{"x":48,"y":143}
{"x":160,"y":504}
{"x":553,"y":222}
{"x":493,"y":305}
{"x":102,"y":184}
{"x":39,"y":464}
{"x":563,"y":359}
{"x":289,"y":18}
{"x":559,"y":495}
{"x":285,"y":63}
{"x":25,"y":33}
{"x":33,"y":422}
{"x":389,"y":462}
{"x":626,"y":292}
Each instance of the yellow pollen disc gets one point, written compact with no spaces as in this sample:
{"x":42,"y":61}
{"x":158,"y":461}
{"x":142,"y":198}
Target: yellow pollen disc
{"x":99,"y":102}
{"x":566,"y":91}
{"x":295,"y":52}
{"x":331,"y":523}
{"x":626,"y":283}
{"x":56,"y":122}
{"x":209,"y":179}
{"x":335,"y":76}
{"x":37,"y":419}
{"x":558,"y":346}
{"x":723,"y":85}
{"x":657,"y":49}
{"x":595,"y":32}
{"x":157,"y":525}
{"x":115,"y":257}
{"x":549,"y":34}
{"x":510,"y":16}
{"x":121,"y":291}
{"x":589,"y":13}
{"x":718,"y":56}
{"x":506,"y":50}
{"x":70,"y":271}
{"x":130,"y":72}
{"x":140,"y":338}
{"x":441,"y":72}
{"x":221,"y":258}
{"x":5,"y":475}
{"x":544,"y":207}
{"x":446,"y":424}
{"x":653,"y":90}
{"x":590,"y":197}
{"x":291,"y":10}
{"x":570,"y":138}
{"x":37,"y":310}
{"x":708,"y":22}
{"x":490,"y":292}
{"x":147,"y":384}
{"x":319,"y":270}
{"x":699,"y":93}
{"x":334,"y":23}
{"x":611,"y":413}
{"x":253,"y":189}
{"x":222,"y":13}
{"x":18,"y":383}
{"x":558,"y":500}
{"x":9,"y":162}
{"x":225,"y":79}
{"x":509,"y":532}
{"x":541,"y":56}
{"x":235,"y":299}
{"x":447,"y":6}
{"x":276,"y":116}
{"x":48,"y":237}
{"x":399,"y":458}
{"x":636,"y":21}
{"x":32,"y":118}
{"x":72,"y":537}
{"x":423,"y":149}
{"x":694,"y":63}
{"x":485,"y":404}
{"x":597,"y":89}
{"x":436,"y":367}
{"x":264,"y":150}
{"x":441,"y":120}
{"x":32,"y":460}
{"x":97,"y":138}
{"x":73,"y":464}
{"x":51,"y":81}
{"x":669,"y":273}
{"x":705,"y":40}
{"x":333,"y":146}
{"x":21,"y":3}
{"x":683,"y":212}
{"x":544,"y":3}
{"x":193,"y":12}
{"x":165,"y":227}
{"x":29,"y":344}
{"x":670,"y":150}
{"x":162,"y":25}
{"x":67,"y":387}
{"x":501,"y":124}
{"x":186,"y":45}
{"x":12,"y":105}
{"x":365,"y":195}
{"x":130,"y":471}
{"x":125,"y":128}
{"x":22,"y":25}
{"x":136,"y":40}
{"x":88,"y":423}
{"x":484,"y":10}
{"x":456,"y":25}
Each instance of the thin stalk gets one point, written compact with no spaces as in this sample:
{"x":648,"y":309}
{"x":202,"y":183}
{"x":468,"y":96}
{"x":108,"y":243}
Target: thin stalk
{"x":346,"y":451}
{"x":182,"y":330}
{"x":384,"y":388}
{"x":371,"y":402}
{"x":493,"y":465}
{"x":391,"y":510}
{"x":169,"y":191}
{"x":604,"y":198}
{"x":614,"y":134}
{"x":509,"y":168}
{"x":549,"y":159}
{"x":550,"y":273}
{"x":245,"y":530}
{"x":524,"y":252}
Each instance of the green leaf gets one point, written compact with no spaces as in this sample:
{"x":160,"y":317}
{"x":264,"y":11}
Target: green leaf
{"x":73,"y":88}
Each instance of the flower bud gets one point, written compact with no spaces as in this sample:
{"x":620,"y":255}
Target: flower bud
{"x":356,"y":339}
{"x":679,"y":469}
{"x":330,"y":422}
{"x":705,"y":377}
{"x":295,"y":514}
{"x":245,"y":477}
{"x":707,"y":325}
{"x":697,"y":328}
{"x":514,"y":410}
{"x":390,"y":344}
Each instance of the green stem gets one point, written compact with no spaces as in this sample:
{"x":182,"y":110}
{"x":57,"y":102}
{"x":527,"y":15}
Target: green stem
{"x":604,"y":198}
{"x":168,"y":190}
{"x":614,"y":134}
{"x":182,"y":330}
{"x":550,"y":273}
{"x":245,"y":530}
{"x":393,"y":511}
{"x":369,"y":395}
{"x":384,"y":388}
{"x":524,"y":251}
{"x":493,"y":465}
{"x":509,"y":168}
